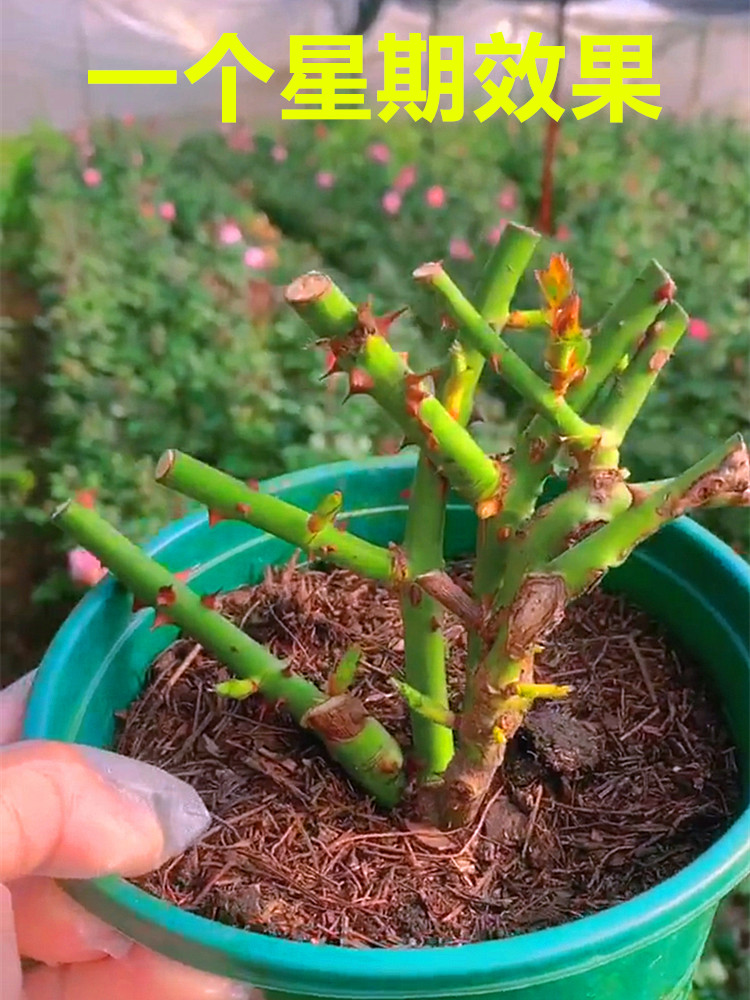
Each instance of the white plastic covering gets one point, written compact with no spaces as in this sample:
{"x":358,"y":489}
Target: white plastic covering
{"x":47,"y":47}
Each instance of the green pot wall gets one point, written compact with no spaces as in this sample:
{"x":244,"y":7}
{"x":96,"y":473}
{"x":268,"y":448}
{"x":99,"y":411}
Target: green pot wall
{"x":645,"y":949}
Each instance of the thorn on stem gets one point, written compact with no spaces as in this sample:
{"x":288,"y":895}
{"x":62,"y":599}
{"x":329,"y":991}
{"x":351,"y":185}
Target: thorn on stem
{"x":360,"y":383}
{"x":161,"y":618}
{"x":372,"y":325}
{"x":214,"y":516}
{"x":165,"y":596}
{"x":332,"y":364}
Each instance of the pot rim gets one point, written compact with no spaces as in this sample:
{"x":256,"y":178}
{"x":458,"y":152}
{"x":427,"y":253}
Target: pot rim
{"x":531,"y":957}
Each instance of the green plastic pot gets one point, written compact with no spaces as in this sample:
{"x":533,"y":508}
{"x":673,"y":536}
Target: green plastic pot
{"x":644,"y":949}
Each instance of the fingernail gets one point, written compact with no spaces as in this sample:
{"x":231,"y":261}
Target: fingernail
{"x":239,"y":991}
{"x":98,"y":936}
{"x":178,"y":808}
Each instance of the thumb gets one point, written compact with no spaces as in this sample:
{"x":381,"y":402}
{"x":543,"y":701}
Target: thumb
{"x":72,"y":811}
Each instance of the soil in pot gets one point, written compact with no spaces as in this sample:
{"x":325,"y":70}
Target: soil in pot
{"x":603,"y":796}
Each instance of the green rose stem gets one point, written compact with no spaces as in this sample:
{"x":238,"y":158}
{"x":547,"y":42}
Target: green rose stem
{"x":497,"y":286}
{"x":612,"y":339}
{"x":480,"y":336}
{"x":603,"y":493}
{"x":641,"y":492}
{"x":491,"y":713}
{"x":422,"y":614}
{"x":355,"y":337}
{"x":631,"y":389}
{"x":362,"y":746}
{"x":229,"y":499}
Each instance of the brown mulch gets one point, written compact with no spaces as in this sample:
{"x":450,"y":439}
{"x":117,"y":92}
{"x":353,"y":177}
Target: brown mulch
{"x":604,"y":795}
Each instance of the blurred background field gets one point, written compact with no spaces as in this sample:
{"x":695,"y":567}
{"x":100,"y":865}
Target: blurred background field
{"x":145,"y":255}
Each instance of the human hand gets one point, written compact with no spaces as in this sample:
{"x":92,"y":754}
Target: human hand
{"x":69,"y":811}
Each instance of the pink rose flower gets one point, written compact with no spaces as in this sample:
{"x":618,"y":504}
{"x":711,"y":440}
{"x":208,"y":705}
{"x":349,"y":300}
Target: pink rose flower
{"x":325,"y":179}
{"x":563,"y":233}
{"x":241,"y":139}
{"x":84,"y":568}
{"x":405,"y":178}
{"x":493,"y":236}
{"x":128,"y":119}
{"x":508,"y":198}
{"x":279,"y":153}
{"x":91,"y":177}
{"x":699,"y":329}
{"x":435,"y":196}
{"x":459,"y":249}
{"x":167,"y":211}
{"x":391,"y":202}
{"x":379,"y":152}
{"x":256,"y":258}
{"x":229,"y":233}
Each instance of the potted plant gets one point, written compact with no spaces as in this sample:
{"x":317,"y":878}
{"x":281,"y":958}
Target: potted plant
{"x":531,"y":560}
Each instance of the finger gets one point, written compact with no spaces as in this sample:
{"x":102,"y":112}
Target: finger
{"x":76,"y":812}
{"x":10,"y":965}
{"x":13,"y":701}
{"x":54,"y":929}
{"x":140,"y":974}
